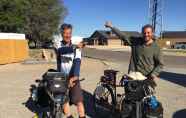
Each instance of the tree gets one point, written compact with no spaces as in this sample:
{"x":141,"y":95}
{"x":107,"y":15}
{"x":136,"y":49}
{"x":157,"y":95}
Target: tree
{"x":12,"y":18}
{"x":43,"y":18}
{"x":38,"y":19}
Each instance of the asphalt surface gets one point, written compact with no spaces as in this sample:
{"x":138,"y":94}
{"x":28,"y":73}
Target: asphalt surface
{"x":17,"y":78}
{"x":174,"y":66}
{"x":124,"y":56}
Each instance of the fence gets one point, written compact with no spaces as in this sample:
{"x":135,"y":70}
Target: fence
{"x":13,"y":48}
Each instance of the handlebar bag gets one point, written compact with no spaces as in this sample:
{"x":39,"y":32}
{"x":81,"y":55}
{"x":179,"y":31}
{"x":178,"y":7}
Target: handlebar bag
{"x":57,"y":86}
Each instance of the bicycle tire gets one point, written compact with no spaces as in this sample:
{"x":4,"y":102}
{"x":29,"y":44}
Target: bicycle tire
{"x":104,"y":100}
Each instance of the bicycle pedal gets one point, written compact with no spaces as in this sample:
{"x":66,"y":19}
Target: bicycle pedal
{"x":35,"y":115}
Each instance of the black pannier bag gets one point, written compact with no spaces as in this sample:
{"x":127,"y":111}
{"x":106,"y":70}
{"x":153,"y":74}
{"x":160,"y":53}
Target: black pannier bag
{"x":110,"y":73}
{"x":55,"y":82}
{"x":109,"y":76}
{"x":134,"y":90}
{"x":43,"y":98}
{"x":107,"y":80}
{"x":127,"y":109}
{"x":56,"y":86}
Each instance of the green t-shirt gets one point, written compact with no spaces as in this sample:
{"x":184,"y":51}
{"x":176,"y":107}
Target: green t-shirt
{"x":145,"y":59}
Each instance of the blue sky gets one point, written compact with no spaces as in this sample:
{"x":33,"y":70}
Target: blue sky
{"x":89,"y":15}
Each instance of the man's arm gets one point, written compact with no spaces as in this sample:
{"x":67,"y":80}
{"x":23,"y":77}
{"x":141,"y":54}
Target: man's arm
{"x":75,"y":68}
{"x":77,"y":63}
{"x":120,"y":34}
{"x":158,"y":64}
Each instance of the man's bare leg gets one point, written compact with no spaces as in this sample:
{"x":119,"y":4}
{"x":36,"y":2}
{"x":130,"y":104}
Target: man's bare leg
{"x":66,"y":109}
{"x":81,"y":109}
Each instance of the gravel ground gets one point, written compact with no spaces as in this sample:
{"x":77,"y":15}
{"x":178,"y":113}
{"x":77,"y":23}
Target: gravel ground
{"x":17,"y":78}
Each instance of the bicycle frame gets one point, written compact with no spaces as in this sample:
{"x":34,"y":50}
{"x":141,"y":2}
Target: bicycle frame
{"x":132,"y":102}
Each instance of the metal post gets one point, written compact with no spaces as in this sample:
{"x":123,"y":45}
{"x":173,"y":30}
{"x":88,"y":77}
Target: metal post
{"x":156,"y":16}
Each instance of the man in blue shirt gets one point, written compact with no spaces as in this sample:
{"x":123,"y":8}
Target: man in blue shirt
{"x":68,"y":62}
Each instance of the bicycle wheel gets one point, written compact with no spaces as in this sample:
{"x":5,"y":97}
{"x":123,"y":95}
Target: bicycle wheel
{"x":59,"y":114}
{"x":46,"y":115}
{"x":54,"y":112}
{"x":104,"y":101}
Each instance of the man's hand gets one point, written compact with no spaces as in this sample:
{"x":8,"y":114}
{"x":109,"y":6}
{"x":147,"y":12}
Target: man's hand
{"x":154,"y":77}
{"x":55,"y":46}
{"x":72,"y":81}
{"x":108,"y":24}
{"x":81,"y":45}
{"x":150,"y":82}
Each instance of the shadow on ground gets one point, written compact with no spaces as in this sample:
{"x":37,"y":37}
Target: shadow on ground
{"x":31,"y":106}
{"x":176,"y":78}
{"x":34,"y":107}
{"x":180,"y":114}
{"x":90,"y":109}
{"x":88,"y":102}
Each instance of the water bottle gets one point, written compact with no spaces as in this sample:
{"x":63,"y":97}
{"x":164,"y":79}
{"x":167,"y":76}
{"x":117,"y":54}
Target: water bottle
{"x":34,"y":95}
{"x":153,"y":102}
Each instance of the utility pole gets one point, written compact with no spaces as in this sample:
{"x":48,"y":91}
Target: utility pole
{"x":156,"y":16}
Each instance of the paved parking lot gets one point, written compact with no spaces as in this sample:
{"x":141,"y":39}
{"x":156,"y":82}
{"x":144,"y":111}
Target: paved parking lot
{"x":17,"y":78}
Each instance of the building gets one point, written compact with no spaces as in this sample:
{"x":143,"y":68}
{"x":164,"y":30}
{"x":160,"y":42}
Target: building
{"x":171,"y":38}
{"x":103,"y":37}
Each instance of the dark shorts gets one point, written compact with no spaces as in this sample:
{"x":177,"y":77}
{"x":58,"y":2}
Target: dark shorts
{"x":75,"y":94}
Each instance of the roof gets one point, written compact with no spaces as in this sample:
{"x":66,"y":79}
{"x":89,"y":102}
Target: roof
{"x":132,"y":33}
{"x":174,"y":34}
{"x":102,"y":33}
{"x":110,"y":35}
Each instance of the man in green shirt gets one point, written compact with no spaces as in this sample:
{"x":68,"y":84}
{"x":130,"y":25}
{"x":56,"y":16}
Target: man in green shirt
{"x":146,"y":54}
